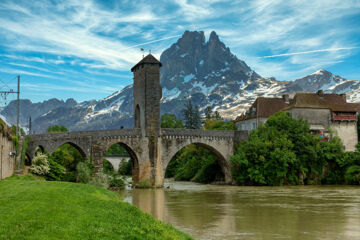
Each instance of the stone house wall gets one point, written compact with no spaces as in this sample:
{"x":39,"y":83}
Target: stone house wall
{"x":250,"y":124}
{"x":347,"y":132}
{"x":7,"y":162}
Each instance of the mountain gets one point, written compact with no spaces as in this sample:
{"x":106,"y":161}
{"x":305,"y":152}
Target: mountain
{"x":205,"y":72}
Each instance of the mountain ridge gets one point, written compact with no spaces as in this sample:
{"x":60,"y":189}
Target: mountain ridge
{"x":205,"y":72}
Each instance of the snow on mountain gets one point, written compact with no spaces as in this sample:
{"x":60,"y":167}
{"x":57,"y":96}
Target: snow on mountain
{"x":204,"y":72}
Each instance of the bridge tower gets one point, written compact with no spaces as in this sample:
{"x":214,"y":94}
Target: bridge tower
{"x":147,"y":95}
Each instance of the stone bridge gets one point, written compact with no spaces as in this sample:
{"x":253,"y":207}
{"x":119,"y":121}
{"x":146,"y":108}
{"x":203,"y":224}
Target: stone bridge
{"x":94,"y":144}
{"x":150,"y":147}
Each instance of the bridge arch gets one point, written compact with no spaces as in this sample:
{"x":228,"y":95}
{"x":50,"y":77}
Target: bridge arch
{"x":133,"y":156}
{"x":76,"y":146}
{"x":219,"y":156}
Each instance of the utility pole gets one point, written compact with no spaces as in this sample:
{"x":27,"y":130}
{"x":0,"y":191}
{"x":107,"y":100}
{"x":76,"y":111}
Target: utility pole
{"x":18,"y":108}
{"x":30,"y":126}
{"x":4,"y":94}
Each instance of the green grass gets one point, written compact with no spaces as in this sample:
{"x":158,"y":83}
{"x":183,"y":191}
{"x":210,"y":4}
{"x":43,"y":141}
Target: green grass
{"x":31,"y":209}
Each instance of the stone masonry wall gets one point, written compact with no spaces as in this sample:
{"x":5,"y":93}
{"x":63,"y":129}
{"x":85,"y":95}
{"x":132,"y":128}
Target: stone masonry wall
{"x":7,"y":162}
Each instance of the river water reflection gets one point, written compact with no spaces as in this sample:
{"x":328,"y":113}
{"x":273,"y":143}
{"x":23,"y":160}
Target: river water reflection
{"x":234,"y":212}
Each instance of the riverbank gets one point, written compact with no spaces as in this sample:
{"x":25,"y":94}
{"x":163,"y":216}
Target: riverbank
{"x":31,"y":209}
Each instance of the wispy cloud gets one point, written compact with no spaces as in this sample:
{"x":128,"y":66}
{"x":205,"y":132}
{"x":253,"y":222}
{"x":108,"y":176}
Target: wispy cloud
{"x":95,"y":43}
{"x":307,"y":52}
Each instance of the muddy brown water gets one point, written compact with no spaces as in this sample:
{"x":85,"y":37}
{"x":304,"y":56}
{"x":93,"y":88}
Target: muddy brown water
{"x":235,"y":212}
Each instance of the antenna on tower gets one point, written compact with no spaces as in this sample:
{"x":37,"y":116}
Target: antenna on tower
{"x":142,"y":50}
{"x":150,"y":51}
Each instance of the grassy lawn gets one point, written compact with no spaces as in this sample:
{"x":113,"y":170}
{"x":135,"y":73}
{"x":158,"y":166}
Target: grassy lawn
{"x":32,"y":209}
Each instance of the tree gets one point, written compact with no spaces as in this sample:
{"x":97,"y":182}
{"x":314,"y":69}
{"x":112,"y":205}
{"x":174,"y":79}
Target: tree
{"x":283,"y":151}
{"x":217,"y":115}
{"x":208,"y":113}
{"x":192,"y":116}
{"x":57,"y":129}
{"x":170,"y":121}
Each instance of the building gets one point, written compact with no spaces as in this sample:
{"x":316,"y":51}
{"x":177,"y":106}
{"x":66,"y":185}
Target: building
{"x":325,"y":113}
{"x":260,"y":111}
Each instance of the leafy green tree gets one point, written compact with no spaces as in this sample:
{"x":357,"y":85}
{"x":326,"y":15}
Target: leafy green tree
{"x":280,"y":152}
{"x":57,"y":129}
{"x":170,"y":121}
{"x":192,"y":116}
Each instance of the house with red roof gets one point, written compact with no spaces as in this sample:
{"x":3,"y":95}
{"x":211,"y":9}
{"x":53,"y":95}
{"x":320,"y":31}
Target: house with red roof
{"x":327,"y":114}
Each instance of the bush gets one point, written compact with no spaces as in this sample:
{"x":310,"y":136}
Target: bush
{"x":100,"y":180}
{"x":107,"y":167}
{"x":83,"y":173}
{"x":125,"y":168}
{"x":352,"y":175}
{"x":56,"y":172}
{"x":117,"y":182}
{"x":40,"y":165}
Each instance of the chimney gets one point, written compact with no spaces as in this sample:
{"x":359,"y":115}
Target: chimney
{"x":286,"y":98}
{"x":343,"y":95}
{"x":320,"y":92}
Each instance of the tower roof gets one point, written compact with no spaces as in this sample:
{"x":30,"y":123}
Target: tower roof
{"x":148,"y":59}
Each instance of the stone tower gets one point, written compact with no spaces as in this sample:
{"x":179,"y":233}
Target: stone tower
{"x":147,"y":95}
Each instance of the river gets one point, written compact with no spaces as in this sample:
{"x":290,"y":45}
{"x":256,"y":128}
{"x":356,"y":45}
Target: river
{"x":237,"y":212}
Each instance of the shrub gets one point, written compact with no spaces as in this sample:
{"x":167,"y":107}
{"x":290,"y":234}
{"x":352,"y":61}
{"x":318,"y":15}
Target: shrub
{"x":83,"y":173}
{"x":116,"y":181}
{"x":352,"y":175}
{"x":40,"y":165}
{"x":107,"y":167}
{"x":125,"y":168}
{"x":100,"y":180}
{"x":56,"y":172}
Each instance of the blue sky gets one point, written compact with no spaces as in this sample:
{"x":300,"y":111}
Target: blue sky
{"x":84,"y":49}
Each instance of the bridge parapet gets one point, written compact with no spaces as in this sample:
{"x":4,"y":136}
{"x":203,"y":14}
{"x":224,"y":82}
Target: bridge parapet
{"x":197,"y":133}
{"x":96,"y":133}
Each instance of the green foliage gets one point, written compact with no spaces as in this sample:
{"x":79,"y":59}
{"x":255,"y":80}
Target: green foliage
{"x":352,"y":175}
{"x":116,"y":149}
{"x":100,"y":180}
{"x":213,"y":124}
{"x":192,"y":116}
{"x":208,"y":112}
{"x":24,"y":149}
{"x":358,"y":125}
{"x":76,"y":211}
{"x":57,"y":129}
{"x":13,"y":129}
{"x":170,"y":121}
{"x":283,"y":152}
{"x":83,"y":173}
{"x":194,"y":163}
{"x":116,"y":181}
{"x":107,"y":167}
{"x":68,"y":157}
{"x":40,"y":165}
{"x":125,"y":168}
{"x":56,"y":172}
